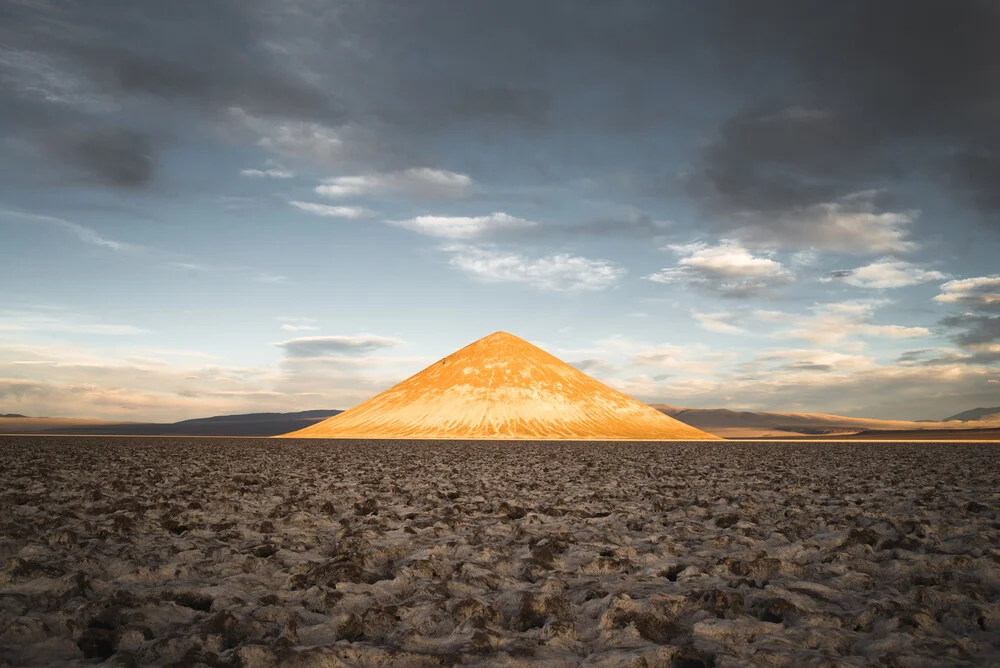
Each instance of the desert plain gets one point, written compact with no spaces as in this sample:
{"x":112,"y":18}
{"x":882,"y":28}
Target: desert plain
{"x":257,"y":552}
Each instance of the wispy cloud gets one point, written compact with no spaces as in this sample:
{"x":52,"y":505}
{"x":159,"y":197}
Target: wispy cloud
{"x":12,"y":320}
{"x":833,"y":322}
{"x":718,"y":322}
{"x":294,"y":139}
{"x":415,"y":182}
{"x":81,"y":232}
{"x":559,"y":272}
{"x":273,"y":279}
{"x":271,"y":173}
{"x":328,"y":211}
{"x":298,"y":323}
{"x":462,"y":227}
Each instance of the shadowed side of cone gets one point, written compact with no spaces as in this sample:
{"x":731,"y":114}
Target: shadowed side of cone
{"x":502,"y":387}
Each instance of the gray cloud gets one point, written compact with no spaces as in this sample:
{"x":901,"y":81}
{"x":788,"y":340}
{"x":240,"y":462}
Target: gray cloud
{"x":75,"y":72}
{"x":589,"y":365}
{"x":819,"y":94}
{"x":117,"y":157}
{"x":976,"y":172}
{"x":915,"y":355}
{"x":319,"y":346}
{"x":976,"y":329}
{"x":636,"y":226}
{"x":862,"y":78}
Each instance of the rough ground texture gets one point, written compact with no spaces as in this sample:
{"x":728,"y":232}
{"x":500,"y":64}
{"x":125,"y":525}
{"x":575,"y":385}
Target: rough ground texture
{"x":235,"y":552}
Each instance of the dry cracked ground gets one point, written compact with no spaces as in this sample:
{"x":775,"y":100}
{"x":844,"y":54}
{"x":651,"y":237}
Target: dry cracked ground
{"x":254,"y":552}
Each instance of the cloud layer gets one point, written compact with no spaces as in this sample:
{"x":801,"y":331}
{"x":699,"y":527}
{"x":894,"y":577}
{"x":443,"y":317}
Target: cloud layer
{"x":560,"y":272}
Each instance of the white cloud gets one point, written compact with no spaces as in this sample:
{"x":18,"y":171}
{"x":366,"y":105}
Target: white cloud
{"x":728,"y":268}
{"x":557,"y":273}
{"x":981,"y":293}
{"x":273,"y":279}
{"x":288,"y":327}
{"x":309,"y":140}
{"x":659,"y":357}
{"x":886,"y":273}
{"x":188,"y":266}
{"x":273,"y":173}
{"x":45,"y":380}
{"x":717,"y":322}
{"x":832,"y":323}
{"x":84,"y":234}
{"x":294,"y":139}
{"x":462,"y":227}
{"x":416,"y":181}
{"x":810,"y":360}
{"x":852,"y":224}
{"x":350,"y":212}
{"x":13,"y":320}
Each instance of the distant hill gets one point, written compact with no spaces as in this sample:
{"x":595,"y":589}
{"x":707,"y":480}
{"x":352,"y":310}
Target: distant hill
{"x":992,"y":414}
{"x":249,"y":424}
{"x":763,"y":424}
{"x":13,"y":415}
{"x":31,"y":425}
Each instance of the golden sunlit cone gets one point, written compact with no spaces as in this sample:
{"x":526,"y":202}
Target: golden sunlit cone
{"x":502,"y":387}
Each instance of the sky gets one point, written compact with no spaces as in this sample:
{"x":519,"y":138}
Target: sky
{"x":226,"y":206}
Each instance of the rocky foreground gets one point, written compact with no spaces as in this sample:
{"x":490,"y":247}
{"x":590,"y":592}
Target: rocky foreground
{"x":245,"y":552}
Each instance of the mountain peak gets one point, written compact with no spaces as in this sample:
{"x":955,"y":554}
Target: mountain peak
{"x":502,"y":387}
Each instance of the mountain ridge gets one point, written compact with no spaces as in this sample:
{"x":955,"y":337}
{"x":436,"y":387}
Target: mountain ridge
{"x":976,"y":414}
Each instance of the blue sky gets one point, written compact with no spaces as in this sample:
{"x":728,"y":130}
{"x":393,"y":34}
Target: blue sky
{"x":223,"y":207}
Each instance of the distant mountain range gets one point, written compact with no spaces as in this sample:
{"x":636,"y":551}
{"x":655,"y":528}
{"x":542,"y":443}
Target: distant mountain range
{"x":760,"y":424}
{"x":977,"y":414}
{"x":249,"y":424}
{"x":719,"y":421}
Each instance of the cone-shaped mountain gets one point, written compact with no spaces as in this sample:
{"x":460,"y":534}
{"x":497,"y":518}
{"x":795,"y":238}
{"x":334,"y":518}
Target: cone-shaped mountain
{"x":502,"y":387}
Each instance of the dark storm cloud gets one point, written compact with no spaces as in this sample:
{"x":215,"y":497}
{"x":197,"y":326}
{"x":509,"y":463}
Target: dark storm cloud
{"x":68,"y":65}
{"x":868,"y":85}
{"x":206,"y":51}
{"x":823,"y":98}
{"x":767,"y":161}
{"x":976,"y":172}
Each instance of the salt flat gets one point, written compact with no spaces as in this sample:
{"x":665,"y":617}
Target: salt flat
{"x":254,"y":552}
